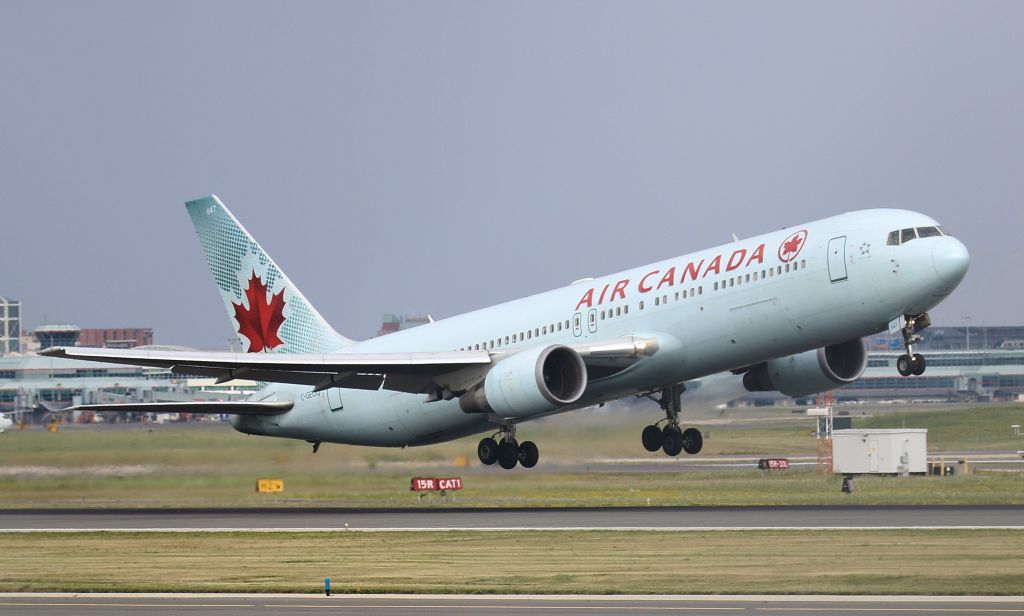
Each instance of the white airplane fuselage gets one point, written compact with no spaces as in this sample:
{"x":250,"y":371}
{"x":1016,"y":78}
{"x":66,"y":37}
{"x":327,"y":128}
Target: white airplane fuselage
{"x":719,"y":309}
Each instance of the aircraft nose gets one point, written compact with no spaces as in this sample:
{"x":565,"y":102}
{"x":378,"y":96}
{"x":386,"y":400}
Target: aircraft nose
{"x":951,"y":259}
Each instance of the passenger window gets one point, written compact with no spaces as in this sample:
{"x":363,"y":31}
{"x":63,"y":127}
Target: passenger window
{"x":684,"y":294}
{"x":716,"y":286}
{"x":906,"y":235}
{"x":657,"y":301}
{"x":618,"y":311}
{"x":536,"y":331}
{"x":747,"y":278}
{"x":732,"y":281}
{"x":513,"y":338}
{"x":529,"y":335}
{"x":894,"y":239}
{"x":927,"y":232}
{"x":625,"y":309}
{"x":641,"y":304}
{"x":787,"y":267}
{"x":559,"y":326}
{"x":602,"y":315}
{"x":755,"y":276}
{"x":700,"y":290}
{"x":506,"y":339}
{"x":544,"y":330}
{"x":677,"y":296}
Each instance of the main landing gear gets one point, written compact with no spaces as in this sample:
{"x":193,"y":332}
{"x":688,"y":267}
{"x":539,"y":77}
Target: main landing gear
{"x":910,"y":362}
{"x":506,"y":451}
{"x":670,"y":438}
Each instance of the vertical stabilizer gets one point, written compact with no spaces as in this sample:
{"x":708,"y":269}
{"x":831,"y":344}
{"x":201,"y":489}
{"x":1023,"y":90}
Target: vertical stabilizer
{"x":268,"y":312}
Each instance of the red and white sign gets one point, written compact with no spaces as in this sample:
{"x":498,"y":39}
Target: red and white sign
{"x":773,"y":464}
{"x":427,"y":484}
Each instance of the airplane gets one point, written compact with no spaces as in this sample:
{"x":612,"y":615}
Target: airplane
{"x":5,"y":422}
{"x":787,"y":310}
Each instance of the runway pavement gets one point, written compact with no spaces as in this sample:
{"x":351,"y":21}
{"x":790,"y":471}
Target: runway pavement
{"x":402,"y":605}
{"x":461,"y":518}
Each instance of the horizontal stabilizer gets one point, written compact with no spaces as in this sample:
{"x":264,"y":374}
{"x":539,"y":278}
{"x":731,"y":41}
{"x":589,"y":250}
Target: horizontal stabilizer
{"x":196,"y":408}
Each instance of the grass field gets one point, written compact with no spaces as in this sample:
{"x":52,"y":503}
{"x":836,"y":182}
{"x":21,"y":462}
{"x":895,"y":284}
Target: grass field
{"x":987,"y":562}
{"x":212,"y":465}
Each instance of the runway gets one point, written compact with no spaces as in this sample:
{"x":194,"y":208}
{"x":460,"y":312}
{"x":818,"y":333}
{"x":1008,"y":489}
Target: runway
{"x":472,"y":605}
{"x":443,"y":518}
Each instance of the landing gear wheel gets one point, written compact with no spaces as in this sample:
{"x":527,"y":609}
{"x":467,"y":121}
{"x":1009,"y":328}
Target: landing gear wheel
{"x":917,"y":364}
{"x":487,"y":451}
{"x":508,"y":454}
{"x":692,"y":441}
{"x":528,"y":454}
{"x":652,"y":438}
{"x":672,"y":440}
{"x":903,"y":365}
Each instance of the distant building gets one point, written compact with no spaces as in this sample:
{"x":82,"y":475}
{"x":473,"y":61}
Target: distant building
{"x":393,"y":323}
{"x":117,"y":338}
{"x":10,"y":326}
{"x":966,"y":338}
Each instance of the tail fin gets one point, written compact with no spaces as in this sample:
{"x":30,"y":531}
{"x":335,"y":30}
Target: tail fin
{"x":268,"y":312}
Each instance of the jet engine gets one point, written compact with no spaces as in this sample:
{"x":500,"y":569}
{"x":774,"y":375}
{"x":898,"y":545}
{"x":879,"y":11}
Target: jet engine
{"x":810,"y":372}
{"x":530,"y":382}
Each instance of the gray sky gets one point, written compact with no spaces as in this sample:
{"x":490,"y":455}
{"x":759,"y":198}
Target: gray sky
{"x":439,"y":157}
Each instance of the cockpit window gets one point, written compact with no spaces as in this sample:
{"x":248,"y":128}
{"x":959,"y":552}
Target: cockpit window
{"x":902,"y":236}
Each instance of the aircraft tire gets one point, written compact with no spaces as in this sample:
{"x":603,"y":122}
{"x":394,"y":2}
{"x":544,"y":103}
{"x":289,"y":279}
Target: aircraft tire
{"x":672,"y":443}
{"x":487,"y":451}
{"x":917,"y":364}
{"x":903,"y":365}
{"x":652,"y":438}
{"x":508,"y":454}
{"x":693,"y":441}
{"x":528,"y":454}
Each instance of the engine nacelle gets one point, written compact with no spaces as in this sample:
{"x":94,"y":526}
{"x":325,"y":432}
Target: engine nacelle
{"x":529,"y":382}
{"x":810,"y":372}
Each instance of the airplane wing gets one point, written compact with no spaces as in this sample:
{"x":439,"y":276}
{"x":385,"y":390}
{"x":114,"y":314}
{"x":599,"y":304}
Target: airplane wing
{"x":196,"y":408}
{"x":416,"y":372}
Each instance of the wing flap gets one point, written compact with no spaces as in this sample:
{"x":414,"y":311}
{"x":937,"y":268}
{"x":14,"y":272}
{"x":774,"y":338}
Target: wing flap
{"x":218,"y":408}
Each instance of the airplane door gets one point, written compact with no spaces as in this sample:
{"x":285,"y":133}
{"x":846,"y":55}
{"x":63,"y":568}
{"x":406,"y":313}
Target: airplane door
{"x":837,"y":259}
{"x":577,"y":324}
{"x":334,"y":399}
{"x":592,"y":320}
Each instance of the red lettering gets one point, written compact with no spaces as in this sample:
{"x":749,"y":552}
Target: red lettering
{"x":588,"y":299}
{"x":757,"y":254}
{"x":736,"y":259}
{"x":691,"y":270}
{"x":600,"y":300}
{"x":620,"y":289}
{"x":643,"y":287}
{"x":715,"y":265}
{"x":669,"y":278}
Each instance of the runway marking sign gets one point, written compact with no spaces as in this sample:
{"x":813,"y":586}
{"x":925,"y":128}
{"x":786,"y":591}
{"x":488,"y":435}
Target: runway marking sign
{"x":434,"y":484}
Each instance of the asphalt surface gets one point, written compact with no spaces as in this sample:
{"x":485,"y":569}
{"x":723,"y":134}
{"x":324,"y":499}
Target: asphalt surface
{"x":453,"y":518}
{"x":408,"y":605}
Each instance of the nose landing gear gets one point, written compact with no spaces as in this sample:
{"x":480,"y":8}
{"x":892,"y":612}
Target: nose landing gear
{"x":506,"y":450}
{"x":671,"y":438}
{"x":910,"y":362}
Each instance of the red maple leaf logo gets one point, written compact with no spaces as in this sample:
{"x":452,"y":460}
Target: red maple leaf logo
{"x":791,"y":246}
{"x":261,"y":321}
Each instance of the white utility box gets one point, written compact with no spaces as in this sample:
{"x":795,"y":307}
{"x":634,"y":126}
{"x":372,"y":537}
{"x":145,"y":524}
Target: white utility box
{"x":880,"y":451}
